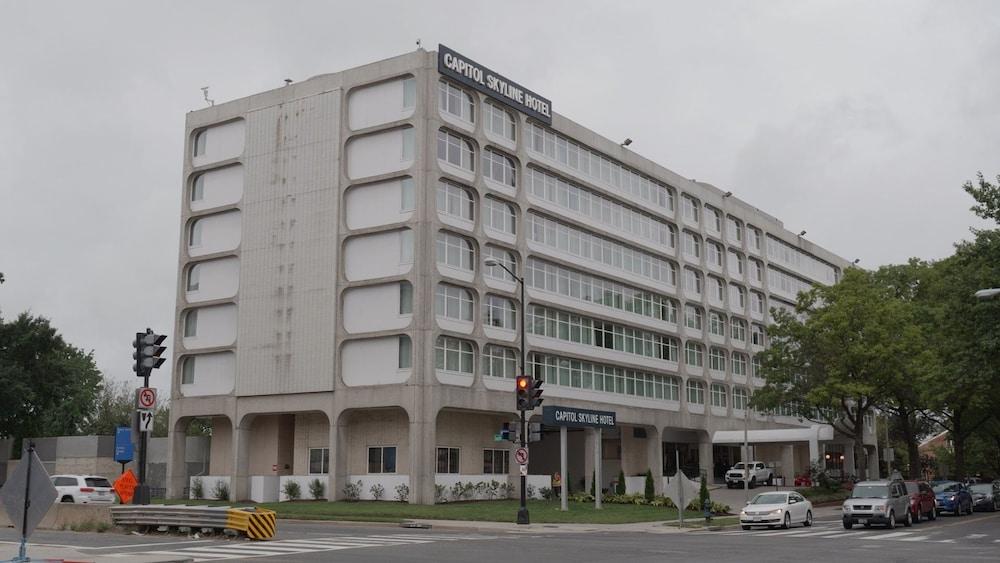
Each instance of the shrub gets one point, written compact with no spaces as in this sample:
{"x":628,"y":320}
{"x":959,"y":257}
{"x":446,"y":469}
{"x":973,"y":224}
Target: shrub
{"x":650,"y":491}
{"x":221,"y":490}
{"x":402,"y":492}
{"x":505,"y":490}
{"x":480,"y":489}
{"x":620,"y":487}
{"x":317,"y":489}
{"x":581,"y":497}
{"x":439,"y":491}
{"x":352,"y":491}
{"x":593,"y":483}
{"x":547,"y":493}
{"x":377,"y":491}
{"x":292,"y":490}
{"x":530,"y":491}
{"x":703,"y":493}
{"x":460,"y":490}
{"x":197,"y":488}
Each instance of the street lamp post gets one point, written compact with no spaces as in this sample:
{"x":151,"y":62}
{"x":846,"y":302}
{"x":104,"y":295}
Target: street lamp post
{"x":522,"y":512}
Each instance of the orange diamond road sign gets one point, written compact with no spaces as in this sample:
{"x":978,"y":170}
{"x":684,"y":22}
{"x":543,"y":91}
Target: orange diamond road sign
{"x":125,"y":486}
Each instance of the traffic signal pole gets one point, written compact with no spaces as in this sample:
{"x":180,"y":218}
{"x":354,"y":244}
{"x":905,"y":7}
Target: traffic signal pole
{"x":147,"y":357}
{"x":142,"y":489}
{"x":522,"y":512}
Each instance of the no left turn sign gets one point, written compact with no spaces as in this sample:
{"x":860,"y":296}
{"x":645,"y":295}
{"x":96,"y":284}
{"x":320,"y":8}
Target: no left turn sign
{"x":521,"y":456}
{"x":146,"y":398}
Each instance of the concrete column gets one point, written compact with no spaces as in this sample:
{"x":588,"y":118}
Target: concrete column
{"x":598,"y":495}
{"x":176,"y":454}
{"x":239,"y":488}
{"x":563,"y":468}
{"x":654,"y":453}
{"x":787,"y":469}
{"x":589,"y":447}
{"x":338,"y":457}
{"x":815,"y":455}
{"x":423,"y":460}
{"x":706,"y":459}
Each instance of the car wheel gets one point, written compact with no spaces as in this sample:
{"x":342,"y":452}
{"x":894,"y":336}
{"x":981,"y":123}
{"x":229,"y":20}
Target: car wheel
{"x":66,"y":498}
{"x":996,"y":505}
{"x":908,"y":522}
{"x":848,"y":525}
{"x":892,"y":521}
{"x":972,"y":508}
{"x":753,"y":482}
{"x":917,"y":515}
{"x":746,"y":527}
{"x":809,"y":519}
{"x":788,"y":521}
{"x":770,"y":480}
{"x":932,"y":515}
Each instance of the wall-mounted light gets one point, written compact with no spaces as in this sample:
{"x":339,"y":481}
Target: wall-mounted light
{"x":856,"y":260}
{"x":626,"y":142}
{"x":802,"y":234}
{"x":727,"y":194}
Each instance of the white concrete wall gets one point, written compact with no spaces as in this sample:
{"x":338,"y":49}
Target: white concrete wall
{"x":264,"y":488}
{"x":388,"y":482}
{"x":222,"y":186}
{"x":224,"y":141}
{"x":219,"y":233}
{"x":377,"y":104}
{"x":373,"y":308}
{"x":303,"y":481}
{"x":372,"y":361}
{"x":373,"y":205}
{"x":378,"y":255}
{"x":214,"y":374}
{"x":378,"y":153}
{"x":216,"y":326}
{"x":217,"y":279}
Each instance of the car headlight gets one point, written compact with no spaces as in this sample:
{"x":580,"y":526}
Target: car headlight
{"x":743,"y":513}
{"x":777,"y":511}
{"x":952,"y":497}
{"x":847,"y":508}
{"x":878,"y":508}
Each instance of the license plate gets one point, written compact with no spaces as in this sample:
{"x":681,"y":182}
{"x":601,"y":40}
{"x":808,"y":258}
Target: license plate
{"x":862,"y":520}
{"x":756,"y":518}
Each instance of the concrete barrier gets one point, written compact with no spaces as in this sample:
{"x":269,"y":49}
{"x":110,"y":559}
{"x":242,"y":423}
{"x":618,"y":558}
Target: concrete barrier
{"x":64,"y":515}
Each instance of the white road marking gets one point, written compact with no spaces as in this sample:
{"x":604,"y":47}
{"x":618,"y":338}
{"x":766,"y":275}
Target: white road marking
{"x":915,"y":538}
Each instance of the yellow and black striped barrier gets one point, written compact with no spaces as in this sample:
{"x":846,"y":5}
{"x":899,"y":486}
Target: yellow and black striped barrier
{"x":256,"y":523}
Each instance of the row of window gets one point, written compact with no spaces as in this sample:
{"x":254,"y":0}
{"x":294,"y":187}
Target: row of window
{"x":600,"y":209}
{"x":456,"y":201}
{"x":459,"y":103}
{"x":583,"y":244}
{"x":454,"y":302}
{"x":781,"y":251}
{"x":457,"y":151}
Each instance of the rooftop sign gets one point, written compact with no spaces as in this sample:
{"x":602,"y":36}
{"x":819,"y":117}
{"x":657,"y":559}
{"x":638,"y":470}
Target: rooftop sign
{"x":577,"y":418}
{"x":478,"y":77}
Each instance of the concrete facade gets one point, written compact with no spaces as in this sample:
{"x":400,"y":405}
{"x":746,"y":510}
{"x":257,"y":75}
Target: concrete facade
{"x":332,"y":293}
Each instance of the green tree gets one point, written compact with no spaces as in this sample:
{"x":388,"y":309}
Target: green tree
{"x":836,"y":358}
{"x":113,"y":407}
{"x":650,"y":490}
{"x":620,"y":486}
{"x":987,"y":197}
{"x":50,"y":386}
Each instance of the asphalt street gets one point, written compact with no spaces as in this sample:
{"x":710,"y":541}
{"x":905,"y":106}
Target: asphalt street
{"x":968,"y":538}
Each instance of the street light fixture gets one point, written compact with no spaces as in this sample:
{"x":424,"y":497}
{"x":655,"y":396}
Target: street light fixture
{"x":522,"y":512}
{"x":987,"y":293}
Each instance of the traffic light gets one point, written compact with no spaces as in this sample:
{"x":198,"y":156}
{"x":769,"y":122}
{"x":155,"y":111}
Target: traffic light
{"x":535,"y":394}
{"x":524,"y":393}
{"x":148,"y":352}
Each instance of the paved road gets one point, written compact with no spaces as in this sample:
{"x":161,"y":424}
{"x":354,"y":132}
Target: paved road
{"x":970,"y":538}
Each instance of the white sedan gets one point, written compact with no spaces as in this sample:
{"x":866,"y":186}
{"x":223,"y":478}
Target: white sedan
{"x":782,"y":508}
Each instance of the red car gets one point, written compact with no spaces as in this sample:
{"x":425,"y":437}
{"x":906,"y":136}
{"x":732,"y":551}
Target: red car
{"x":922,"y":503}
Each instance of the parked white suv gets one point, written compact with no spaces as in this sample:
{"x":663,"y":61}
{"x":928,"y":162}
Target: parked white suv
{"x":759,"y":473}
{"x":83,"y":489}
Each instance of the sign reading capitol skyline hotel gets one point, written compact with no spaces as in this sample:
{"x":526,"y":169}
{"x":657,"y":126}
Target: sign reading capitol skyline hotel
{"x":477,"y":76}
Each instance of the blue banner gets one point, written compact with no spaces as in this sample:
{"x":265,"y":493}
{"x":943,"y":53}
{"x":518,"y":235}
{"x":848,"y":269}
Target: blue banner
{"x":123,"y":444}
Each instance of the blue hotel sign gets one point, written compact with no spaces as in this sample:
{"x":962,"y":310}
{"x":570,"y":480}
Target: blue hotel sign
{"x":478,"y":77}
{"x":577,"y":418}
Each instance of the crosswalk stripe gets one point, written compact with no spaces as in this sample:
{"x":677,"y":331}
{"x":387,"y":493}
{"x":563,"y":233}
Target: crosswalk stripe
{"x":817,"y":534}
{"x":915,"y":538}
{"x":975,"y":536}
{"x":890,"y":536}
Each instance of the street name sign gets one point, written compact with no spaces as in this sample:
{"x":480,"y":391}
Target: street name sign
{"x":40,"y":494}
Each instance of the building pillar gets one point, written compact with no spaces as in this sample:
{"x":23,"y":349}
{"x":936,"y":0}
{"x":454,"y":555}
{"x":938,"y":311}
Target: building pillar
{"x":654,"y":453}
{"x":176,"y":456}
{"x":589,"y":445}
{"x":337,"y":478}
{"x":239,"y":487}
{"x":423,"y":457}
{"x":815,"y":455}
{"x":706,"y":457}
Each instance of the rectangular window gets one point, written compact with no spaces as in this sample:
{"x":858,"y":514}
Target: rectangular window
{"x":382,"y":459}
{"x":496,"y":462}
{"x":187,"y":375}
{"x":407,"y":199}
{"x":319,"y":461}
{"x":695,"y":393}
{"x":447,"y":460}
{"x":405,"y":352}
{"x":191,"y":323}
{"x":409,"y":93}
{"x":193,"y":277}
{"x":409,"y":142}
{"x":718,"y":396}
{"x":406,"y":246}
{"x":405,"y":298}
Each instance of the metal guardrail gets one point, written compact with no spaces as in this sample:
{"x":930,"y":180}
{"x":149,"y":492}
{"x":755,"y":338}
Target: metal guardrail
{"x":256,"y":523}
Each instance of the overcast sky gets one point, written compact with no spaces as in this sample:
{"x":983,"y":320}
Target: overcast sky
{"x":856,"y":121}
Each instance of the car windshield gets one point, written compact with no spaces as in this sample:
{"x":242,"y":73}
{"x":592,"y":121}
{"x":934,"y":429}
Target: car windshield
{"x":738,"y":466}
{"x":912,"y":488}
{"x":947,"y":487}
{"x":770,"y":498}
{"x":870,"y":491}
{"x":984,"y":488}
{"x":97,"y":482}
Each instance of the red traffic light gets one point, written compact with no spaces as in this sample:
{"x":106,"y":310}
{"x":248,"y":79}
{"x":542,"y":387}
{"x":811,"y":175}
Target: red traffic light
{"x":523,"y":382}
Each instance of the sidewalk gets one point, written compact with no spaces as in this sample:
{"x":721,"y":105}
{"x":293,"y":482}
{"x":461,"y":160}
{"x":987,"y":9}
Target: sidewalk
{"x":59,"y":553}
{"x":661,"y":527}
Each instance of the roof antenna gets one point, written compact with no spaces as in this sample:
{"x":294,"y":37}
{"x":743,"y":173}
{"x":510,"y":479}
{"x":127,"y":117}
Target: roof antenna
{"x":418,"y":43}
{"x":204,"y":90}
{"x":288,"y":81}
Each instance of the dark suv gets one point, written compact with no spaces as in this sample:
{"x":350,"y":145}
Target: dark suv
{"x":922,"y":503}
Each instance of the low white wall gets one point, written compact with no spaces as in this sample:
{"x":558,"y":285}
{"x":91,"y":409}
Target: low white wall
{"x":634,"y":485}
{"x":264,"y":488}
{"x":388,"y":482}
{"x":303,"y":481}
{"x":208,"y":484}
